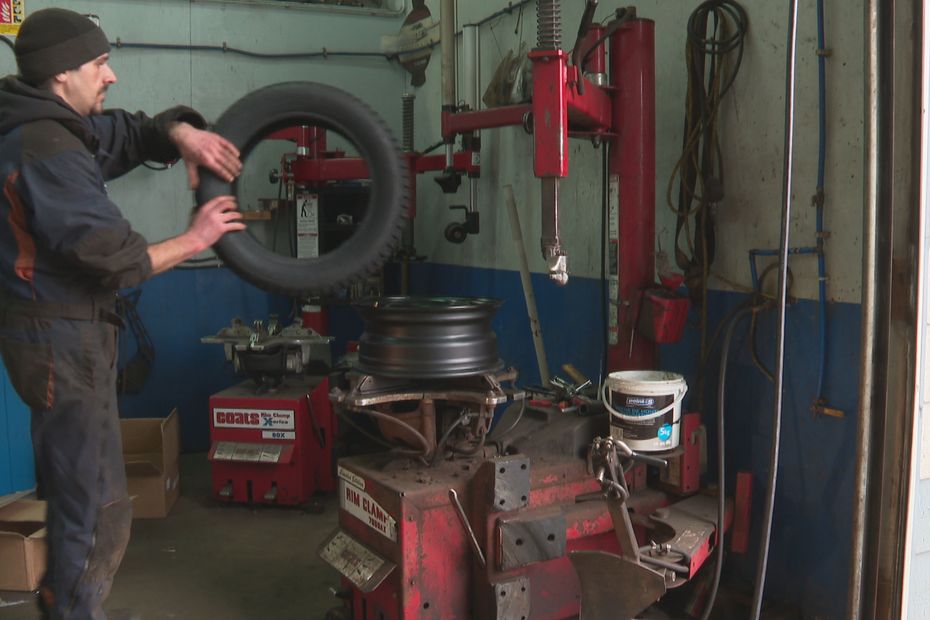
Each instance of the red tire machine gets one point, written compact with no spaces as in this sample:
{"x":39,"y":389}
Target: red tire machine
{"x":271,"y":437}
{"x":538,"y":519}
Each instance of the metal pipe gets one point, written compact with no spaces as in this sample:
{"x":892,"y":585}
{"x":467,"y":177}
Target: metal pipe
{"x":471,"y":54}
{"x":782,"y":306}
{"x":472,"y":195}
{"x":556,"y":260}
{"x":857,"y":558}
{"x":528,"y":294}
{"x":447,"y":49}
{"x":471,"y":61}
{"x":327,"y":8}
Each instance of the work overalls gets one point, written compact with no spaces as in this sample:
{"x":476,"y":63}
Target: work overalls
{"x":61,"y":359}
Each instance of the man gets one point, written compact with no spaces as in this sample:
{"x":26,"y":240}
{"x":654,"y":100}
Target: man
{"x":64,"y":251}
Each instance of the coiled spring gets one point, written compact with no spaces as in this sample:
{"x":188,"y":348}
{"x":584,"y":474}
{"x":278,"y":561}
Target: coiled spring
{"x":549,"y":24}
{"x":407,"y":110}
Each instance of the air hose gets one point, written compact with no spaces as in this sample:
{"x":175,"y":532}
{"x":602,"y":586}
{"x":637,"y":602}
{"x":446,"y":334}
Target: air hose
{"x":721,"y":456}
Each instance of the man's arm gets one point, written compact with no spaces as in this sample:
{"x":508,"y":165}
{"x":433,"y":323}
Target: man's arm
{"x":204,"y":148}
{"x":211,"y":221}
{"x":127,"y":140}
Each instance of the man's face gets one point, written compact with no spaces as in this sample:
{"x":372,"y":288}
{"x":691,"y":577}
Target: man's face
{"x":85,"y":88}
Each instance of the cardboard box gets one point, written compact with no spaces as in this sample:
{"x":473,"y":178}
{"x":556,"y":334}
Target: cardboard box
{"x":22,"y":545}
{"x":150,"y":450}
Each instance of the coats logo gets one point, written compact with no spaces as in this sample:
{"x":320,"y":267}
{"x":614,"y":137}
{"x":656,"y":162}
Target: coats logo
{"x":237,"y":418}
{"x":277,"y":419}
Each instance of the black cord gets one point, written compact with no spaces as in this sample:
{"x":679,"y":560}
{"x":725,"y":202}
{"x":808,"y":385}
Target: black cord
{"x":712,"y":46}
{"x":152,"y":167}
{"x":9,"y":43}
{"x":348,"y":419}
{"x":513,"y":424}
{"x":132,"y":376}
{"x":623,"y":16}
{"x":433,"y":147}
{"x":721,"y":456}
{"x":716,"y":30}
{"x":441,"y":446}
{"x":225,"y":49}
{"x":508,"y":10}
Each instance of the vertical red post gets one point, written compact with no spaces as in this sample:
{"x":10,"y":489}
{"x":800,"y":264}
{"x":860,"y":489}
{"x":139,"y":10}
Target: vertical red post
{"x":316,"y":142}
{"x":631,"y":169}
{"x":550,"y":113}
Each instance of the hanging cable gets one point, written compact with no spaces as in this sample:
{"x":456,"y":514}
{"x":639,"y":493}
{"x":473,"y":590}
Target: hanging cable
{"x":713,"y":54}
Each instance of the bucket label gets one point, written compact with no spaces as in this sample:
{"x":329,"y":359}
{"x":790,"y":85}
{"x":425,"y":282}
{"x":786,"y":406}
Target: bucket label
{"x":665,"y":432}
{"x":660,"y":428}
{"x":636,"y":406}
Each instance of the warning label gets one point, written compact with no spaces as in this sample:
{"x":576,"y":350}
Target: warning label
{"x":361,"y":505}
{"x":308,"y":225}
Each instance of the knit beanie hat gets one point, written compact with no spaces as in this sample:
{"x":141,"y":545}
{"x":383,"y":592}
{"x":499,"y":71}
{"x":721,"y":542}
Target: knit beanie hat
{"x":52,"y":41}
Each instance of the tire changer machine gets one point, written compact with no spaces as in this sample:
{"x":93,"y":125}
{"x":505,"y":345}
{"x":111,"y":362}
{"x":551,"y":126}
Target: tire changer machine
{"x":541,"y":516}
{"x":271,"y":436}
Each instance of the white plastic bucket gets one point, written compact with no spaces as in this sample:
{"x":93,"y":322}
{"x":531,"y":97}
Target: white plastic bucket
{"x":645,"y":408}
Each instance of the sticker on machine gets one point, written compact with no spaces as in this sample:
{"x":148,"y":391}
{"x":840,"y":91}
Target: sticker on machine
{"x":350,"y":477}
{"x":362,"y":506}
{"x":262,"y":419}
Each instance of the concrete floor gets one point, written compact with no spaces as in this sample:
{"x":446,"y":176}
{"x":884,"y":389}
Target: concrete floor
{"x":211,"y":561}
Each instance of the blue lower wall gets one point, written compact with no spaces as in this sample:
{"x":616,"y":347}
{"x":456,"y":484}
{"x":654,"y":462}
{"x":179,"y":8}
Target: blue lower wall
{"x":178,"y":308}
{"x":812,"y":529}
{"x":17,"y":472}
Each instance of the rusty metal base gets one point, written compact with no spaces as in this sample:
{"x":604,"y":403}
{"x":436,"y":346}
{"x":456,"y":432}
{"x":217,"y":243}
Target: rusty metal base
{"x":526,"y":520}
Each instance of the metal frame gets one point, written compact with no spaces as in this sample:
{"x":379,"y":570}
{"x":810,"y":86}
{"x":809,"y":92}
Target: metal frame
{"x":889,"y":328}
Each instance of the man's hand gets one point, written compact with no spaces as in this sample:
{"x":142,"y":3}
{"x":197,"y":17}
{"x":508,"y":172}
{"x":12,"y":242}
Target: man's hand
{"x":207,"y":149}
{"x":213,"y":219}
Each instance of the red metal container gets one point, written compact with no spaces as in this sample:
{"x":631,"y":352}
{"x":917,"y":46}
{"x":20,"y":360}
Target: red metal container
{"x":662,"y":315}
{"x":273,"y":447}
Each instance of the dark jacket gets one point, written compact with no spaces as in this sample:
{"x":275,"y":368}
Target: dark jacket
{"x":61,"y":238}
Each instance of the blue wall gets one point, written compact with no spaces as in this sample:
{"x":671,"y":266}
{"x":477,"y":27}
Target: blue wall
{"x":812,"y":526}
{"x":17,"y":472}
{"x":178,"y":308}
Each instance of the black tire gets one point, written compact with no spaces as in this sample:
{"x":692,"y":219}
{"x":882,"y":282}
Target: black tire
{"x":278,"y":106}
